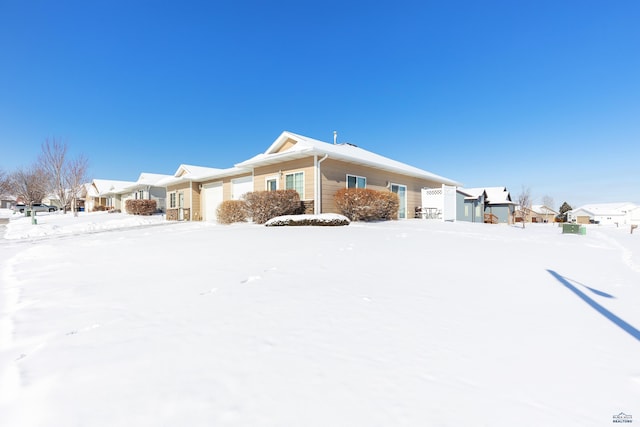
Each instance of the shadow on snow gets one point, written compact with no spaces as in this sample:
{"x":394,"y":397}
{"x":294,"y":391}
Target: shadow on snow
{"x":628,"y":328}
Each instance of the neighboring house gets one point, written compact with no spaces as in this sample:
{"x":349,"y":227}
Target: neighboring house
{"x":602,"y":213}
{"x":535,"y":214}
{"x":106,"y":194}
{"x":315,"y":169}
{"x":7,"y":201}
{"x":54,"y":200}
{"x":542,"y":213}
{"x":497,"y":206}
{"x":149,"y":186}
{"x":90,"y":196}
{"x":633,"y":215}
{"x":470,"y":205}
{"x":195,"y":192}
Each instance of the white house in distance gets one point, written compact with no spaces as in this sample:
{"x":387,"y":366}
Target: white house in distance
{"x":104,"y":194}
{"x":148,"y":187}
{"x":603,"y":213}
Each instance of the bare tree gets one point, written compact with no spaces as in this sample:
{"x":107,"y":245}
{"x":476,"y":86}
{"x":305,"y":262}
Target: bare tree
{"x":75,"y":177}
{"x":53,"y":161}
{"x":548,"y":201}
{"x":29,"y":185}
{"x":4,"y":182}
{"x":65,"y":176}
{"x":524,"y":200}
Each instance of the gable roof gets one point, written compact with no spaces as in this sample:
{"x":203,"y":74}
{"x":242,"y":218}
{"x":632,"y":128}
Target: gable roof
{"x":607,"y":209}
{"x":290,"y":146}
{"x":468,"y":195}
{"x":494,"y":195}
{"x":198,"y":173}
{"x":543,"y":210}
{"x":144,"y":180}
{"x":107,"y":186}
{"x":152,"y":179}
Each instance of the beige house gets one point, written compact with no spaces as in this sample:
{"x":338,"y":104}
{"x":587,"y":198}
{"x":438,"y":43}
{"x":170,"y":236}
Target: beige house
{"x":195,"y":192}
{"x":536,"y":214}
{"x":315,"y":169}
{"x":105,"y":194}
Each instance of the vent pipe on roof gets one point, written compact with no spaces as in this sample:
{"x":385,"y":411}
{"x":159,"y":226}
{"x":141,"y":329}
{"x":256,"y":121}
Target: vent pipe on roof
{"x":335,"y":137}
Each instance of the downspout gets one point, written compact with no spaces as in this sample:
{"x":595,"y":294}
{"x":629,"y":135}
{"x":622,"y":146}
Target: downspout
{"x":318,"y":188}
{"x":190,"y":200}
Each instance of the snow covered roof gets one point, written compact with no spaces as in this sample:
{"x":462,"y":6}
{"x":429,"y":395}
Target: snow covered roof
{"x":495,"y":195}
{"x":470,"y":195}
{"x":199,"y":173}
{"x":608,"y":209}
{"x":151,"y":178}
{"x":107,"y":186}
{"x":91,"y":190}
{"x":145,"y":180}
{"x":305,"y":147}
{"x":543,"y":210}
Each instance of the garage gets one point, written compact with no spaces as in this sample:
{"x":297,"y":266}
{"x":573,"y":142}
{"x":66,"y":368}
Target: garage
{"x":240,"y":186}
{"x":212,"y":194}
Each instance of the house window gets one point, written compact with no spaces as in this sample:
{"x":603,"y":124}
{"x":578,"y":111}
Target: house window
{"x":172,"y":200}
{"x":295,"y":181}
{"x":141,"y":194}
{"x":354,"y":181}
{"x":272,"y":184}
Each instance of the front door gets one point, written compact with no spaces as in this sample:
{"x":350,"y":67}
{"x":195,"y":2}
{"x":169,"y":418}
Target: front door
{"x":180,"y":206}
{"x":401,"y":191}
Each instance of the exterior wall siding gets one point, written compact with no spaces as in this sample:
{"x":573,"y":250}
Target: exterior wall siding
{"x":302,"y":165}
{"x":334,"y":176}
{"x":183,"y":187}
{"x":287,"y":144}
{"x":504,"y":213}
{"x":464,"y":208}
{"x":195,"y":202}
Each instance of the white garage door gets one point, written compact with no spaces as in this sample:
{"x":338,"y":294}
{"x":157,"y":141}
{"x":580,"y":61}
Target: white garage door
{"x":240,"y":186}
{"x":212,"y":198}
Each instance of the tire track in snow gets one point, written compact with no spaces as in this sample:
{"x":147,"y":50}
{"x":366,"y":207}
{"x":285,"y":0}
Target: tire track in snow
{"x":12,"y":354}
{"x":626,"y":253}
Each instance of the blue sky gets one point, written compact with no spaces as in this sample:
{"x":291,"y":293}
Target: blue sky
{"x":537,"y":94}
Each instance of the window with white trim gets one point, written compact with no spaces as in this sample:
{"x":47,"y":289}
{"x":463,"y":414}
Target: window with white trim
{"x":295,"y":181}
{"x":272,"y":184}
{"x":172,"y":200}
{"x":354,"y":181}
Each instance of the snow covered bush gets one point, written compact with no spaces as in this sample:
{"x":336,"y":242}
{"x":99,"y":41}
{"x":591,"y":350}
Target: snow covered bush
{"x":362,"y":204}
{"x":141,"y":207}
{"x":264,"y":205}
{"x":320,"y":220}
{"x":231,"y":211}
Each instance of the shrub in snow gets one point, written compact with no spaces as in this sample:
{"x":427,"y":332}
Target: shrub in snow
{"x":231,"y":211}
{"x":363,"y":204}
{"x":141,"y":207}
{"x":264,"y":205}
{"x":320,"y":220}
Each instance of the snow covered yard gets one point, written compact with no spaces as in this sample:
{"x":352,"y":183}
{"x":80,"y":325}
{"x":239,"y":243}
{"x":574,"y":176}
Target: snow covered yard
{"x":402,"y":323}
